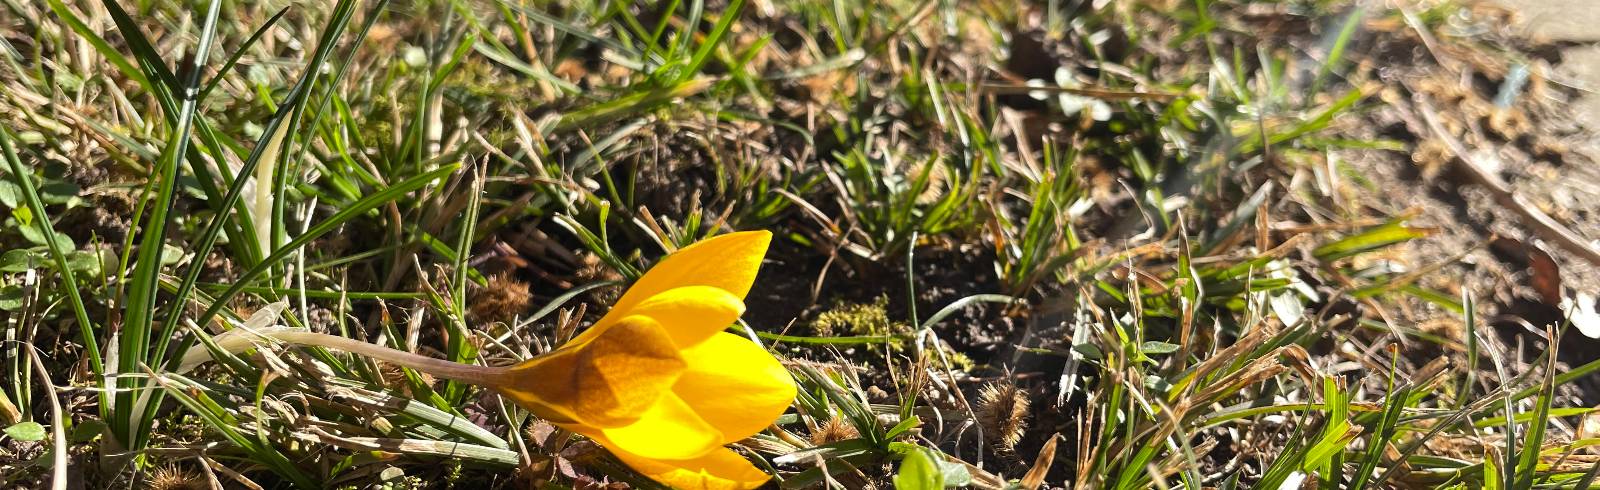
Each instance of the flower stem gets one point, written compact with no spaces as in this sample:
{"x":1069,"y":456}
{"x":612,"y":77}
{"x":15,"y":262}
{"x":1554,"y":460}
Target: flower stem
{"x":479,"y":375}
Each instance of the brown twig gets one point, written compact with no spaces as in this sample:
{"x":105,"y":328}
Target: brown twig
{"x":1540,"y":223}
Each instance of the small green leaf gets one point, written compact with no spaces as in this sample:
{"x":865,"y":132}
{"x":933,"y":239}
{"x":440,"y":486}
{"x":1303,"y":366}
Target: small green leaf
{"x":1157,"y":383}
{"x":954,"y":474}
{"x":1368,"y":240}
{"x":26,"y":431}
{"x":87,"y":430}
{"x":59,"y":192}
{"x":1088,"y":351}
{"x":171,"y":254}
{"x":21,"y":259}
{"x":918,"y":471}
{"x":89,"y":262}
{"x":902,"y":427}
{"x":10,"y":194}
{"x":29,"y":232}
{"x":34,"y":235}
{"x":1154,"y":347}
{"x":10,"y":298}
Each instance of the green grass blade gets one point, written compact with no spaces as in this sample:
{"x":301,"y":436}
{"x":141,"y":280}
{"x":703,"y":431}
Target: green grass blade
{"x":957,"y":305}
{"x":1383,"y":431}
{"x":349,"y":212}
{"x":1368,"y":240}
{"x":458,"y":349}
{"x":1533,"y":442}
{"x":217,"y":419}
{"x":141,"y":304}
{"x":100,"y":45}
{"x":712,"y":39}
{"x":296,"y":101}
{"x":23,"y":177}
{"x":239,"y":53}
{"x":161,"y":81}
{"x":1336,"y":54}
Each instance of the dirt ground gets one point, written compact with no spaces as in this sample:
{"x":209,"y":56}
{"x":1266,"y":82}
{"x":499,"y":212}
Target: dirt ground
{"x":1573,"y":28}
{"x":1539,"y":139}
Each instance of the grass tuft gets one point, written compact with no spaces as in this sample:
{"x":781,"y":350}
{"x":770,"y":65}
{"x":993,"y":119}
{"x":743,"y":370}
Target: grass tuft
{"x":1171,"y":244}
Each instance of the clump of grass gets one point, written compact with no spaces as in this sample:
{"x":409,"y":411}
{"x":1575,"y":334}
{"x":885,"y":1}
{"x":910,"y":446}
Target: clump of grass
{"x":1163,"y":189}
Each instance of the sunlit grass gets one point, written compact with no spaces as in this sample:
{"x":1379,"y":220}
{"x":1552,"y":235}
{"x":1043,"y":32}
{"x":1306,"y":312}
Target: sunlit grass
{"x":1015,"y":244}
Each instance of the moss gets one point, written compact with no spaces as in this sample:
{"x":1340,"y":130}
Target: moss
{"x":847,"y":318}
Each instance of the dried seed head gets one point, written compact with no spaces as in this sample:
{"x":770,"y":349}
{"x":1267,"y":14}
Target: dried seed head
{"x":501,"y":300}
{"x":322,"y":319}
{"x":938,"y":174}
{"x":834,"y":430}
{"x":539,"y":432}
{"x":592,"y":269}
{"x":394,"y":377}
{"x":171,"y":477}
{"x":1003,"y":411}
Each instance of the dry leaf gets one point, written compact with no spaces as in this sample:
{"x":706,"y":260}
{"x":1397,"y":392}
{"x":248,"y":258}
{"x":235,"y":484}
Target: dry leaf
{"x":1041,"y":464}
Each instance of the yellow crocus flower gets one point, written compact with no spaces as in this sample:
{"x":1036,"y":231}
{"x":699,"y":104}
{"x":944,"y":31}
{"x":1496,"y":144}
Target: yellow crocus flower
{"x":657,"y":381}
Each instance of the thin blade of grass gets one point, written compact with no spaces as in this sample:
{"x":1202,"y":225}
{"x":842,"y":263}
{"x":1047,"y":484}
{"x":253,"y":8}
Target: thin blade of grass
{"x":215,"y":417}
{"x":1383,"y":431}
{"x":1368,"y":240}
{"x":1336,"y":54}
{"x":338,"y":219}
{"x":23,"y":177}
{"x":712,"y":39}
{"x":141,"y":305}
{"x":1533,"y":442}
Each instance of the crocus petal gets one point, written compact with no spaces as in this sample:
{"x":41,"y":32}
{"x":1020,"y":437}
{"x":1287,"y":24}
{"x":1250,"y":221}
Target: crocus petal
{"x":691,"y":314}
{"x":720,"y":469}
{"x":669,"y":430}
{"x":727,"y":262}
{"x":610,"y":381}
{"x":735,"y":385}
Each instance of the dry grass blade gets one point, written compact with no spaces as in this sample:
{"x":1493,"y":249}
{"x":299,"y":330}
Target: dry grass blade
{"x":466,"y":452}
{"x":1034,"y":478}
{"x":58,"y":422}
